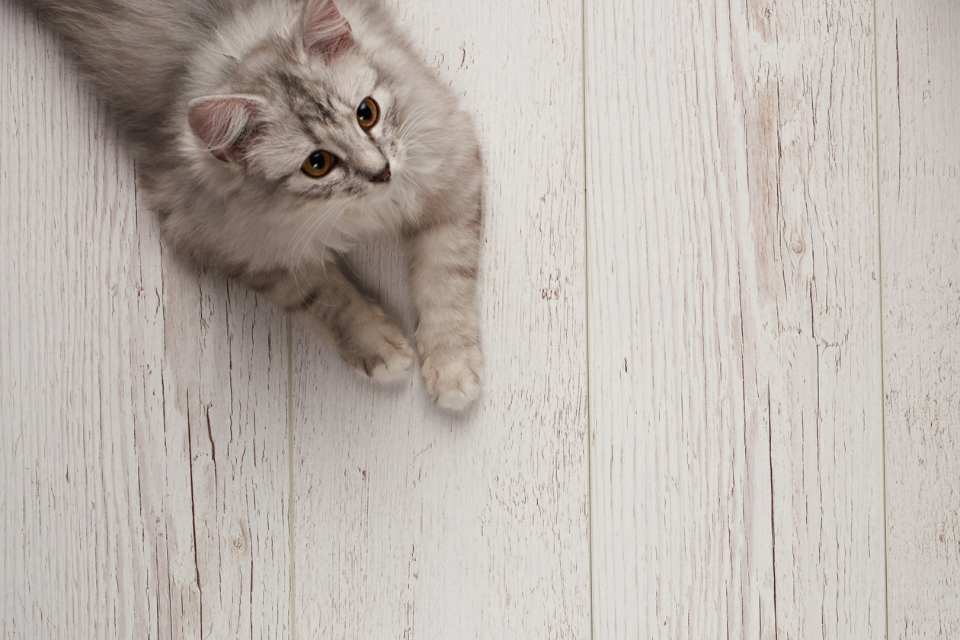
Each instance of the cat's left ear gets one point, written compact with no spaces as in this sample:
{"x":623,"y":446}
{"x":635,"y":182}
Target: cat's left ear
{"x":222,"y":122}
{"x":325,"y":31}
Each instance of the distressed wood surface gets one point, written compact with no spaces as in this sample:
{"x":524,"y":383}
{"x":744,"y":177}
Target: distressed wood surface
{"x":226,"y":474}
{"x":919,"y":88}
{"x":144,"y":407}
{"x":73,"y":332}
{"x":734,"y":328}
{"x":412,"y":524}
{"x":769,"y":292}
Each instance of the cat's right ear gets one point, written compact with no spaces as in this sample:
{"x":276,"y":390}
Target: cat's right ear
{"x":221,"y":122}
{"x":325,"y":31}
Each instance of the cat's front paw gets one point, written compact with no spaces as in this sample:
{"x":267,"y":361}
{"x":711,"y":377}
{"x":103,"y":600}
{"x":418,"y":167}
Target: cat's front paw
{"x":452,"y":376}
{"x":379,"y":351}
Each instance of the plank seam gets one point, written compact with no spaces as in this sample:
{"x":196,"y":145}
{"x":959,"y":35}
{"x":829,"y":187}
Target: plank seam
{"x":883,"y":375}
{"x":291,"y":496}
{"x":586,"y":293}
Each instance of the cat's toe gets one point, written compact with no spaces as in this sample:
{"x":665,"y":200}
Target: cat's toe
{"x":459,"y":399}
{"x":382,"y":354}
{"x":390,"y":368}
{"x":453,"y":379}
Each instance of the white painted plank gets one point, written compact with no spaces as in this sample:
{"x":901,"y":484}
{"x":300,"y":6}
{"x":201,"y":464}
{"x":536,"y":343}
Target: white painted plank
{"x":819,"y":342}
{"x":919,"y":54}
{"x":412,"y":524}
{"x":226,"y":468}
{"x":734,"y":329}
{"x":76,"y":333}
{"x":122,"y":373}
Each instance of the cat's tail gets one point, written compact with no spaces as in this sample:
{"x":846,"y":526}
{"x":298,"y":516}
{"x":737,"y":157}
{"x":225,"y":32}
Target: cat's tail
{"x":134,"y":51}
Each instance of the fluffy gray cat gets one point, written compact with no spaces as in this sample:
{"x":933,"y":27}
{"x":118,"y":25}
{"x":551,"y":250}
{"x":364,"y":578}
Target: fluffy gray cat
{"x":272,"y":136}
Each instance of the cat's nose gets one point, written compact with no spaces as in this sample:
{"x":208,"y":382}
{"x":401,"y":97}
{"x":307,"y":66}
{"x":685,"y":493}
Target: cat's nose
{"x":383,"y":176}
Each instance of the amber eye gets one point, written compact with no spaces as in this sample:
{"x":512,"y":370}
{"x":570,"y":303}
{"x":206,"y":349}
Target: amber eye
{"x":368,"y":113}
{"x":319,"y":164}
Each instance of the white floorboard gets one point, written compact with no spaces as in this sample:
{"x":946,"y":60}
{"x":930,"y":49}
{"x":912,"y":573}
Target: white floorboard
{"x":734,"y":321}
{"x":80,"y":334}
{"x":919,"y":54}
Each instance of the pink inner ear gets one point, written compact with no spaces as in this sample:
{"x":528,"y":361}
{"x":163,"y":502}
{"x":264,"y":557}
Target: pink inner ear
{"x":325,"y":31}
{"x":221,"y":120}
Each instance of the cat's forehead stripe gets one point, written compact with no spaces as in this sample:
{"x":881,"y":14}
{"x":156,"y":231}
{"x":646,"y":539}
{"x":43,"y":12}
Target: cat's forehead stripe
{"x":311,"y":109}
{"x":304,"y":100}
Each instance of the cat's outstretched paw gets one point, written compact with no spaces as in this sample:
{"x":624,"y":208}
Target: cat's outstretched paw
{"x":452,"y":377}
{"x":379,"y":351}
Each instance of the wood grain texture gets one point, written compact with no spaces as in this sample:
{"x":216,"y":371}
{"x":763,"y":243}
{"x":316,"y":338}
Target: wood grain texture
{"x":225,"y":473}
{"x":919,"y":87}
{"x":144,"y":407}
{"x":72,"y":560}
{"x":734,"y":329}
{"x":412,"y":524}
{"x":178,"y":462}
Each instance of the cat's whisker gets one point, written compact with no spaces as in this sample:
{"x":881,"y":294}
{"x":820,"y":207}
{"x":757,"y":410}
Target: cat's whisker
{"x":310,"y":237}
{"x":299,"y":250}
{"x":410,"y":124}
{"x":299,"y":239}
{"x":332,"y":227}
{"x":411,"y":121}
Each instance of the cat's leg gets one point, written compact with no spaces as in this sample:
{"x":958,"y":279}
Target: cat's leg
{"x":444,"y":259}
{"x":366,"y":338}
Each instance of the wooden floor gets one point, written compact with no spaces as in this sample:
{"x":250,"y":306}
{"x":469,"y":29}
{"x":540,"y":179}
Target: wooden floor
{"x":721,"y":306}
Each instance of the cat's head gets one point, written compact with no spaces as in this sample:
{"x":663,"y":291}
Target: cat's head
{"x":310,"y":110}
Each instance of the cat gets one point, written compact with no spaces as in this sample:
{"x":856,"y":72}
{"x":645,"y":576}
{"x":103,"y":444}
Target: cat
{"x":272,"y":136}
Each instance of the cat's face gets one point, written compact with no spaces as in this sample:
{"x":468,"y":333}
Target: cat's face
{"x":309,"y":113}
{"x":328,"y":129}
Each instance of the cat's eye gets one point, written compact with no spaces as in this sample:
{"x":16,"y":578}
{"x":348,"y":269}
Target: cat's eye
{"x":368,"y":113}
{"x":319,"y":163}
